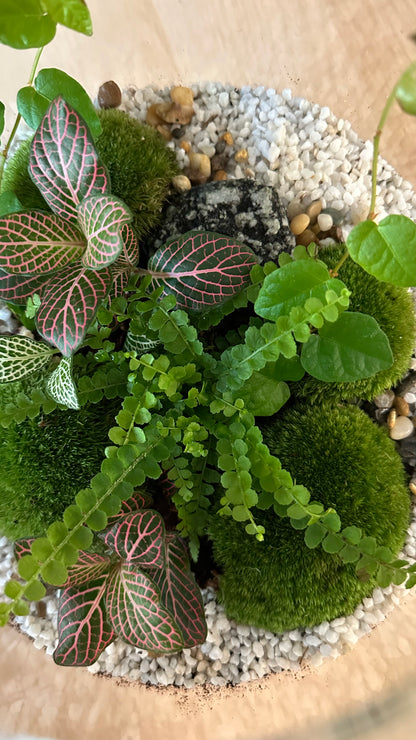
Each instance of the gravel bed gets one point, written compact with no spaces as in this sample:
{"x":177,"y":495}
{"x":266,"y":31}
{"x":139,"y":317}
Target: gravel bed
{"x":306,"y":153}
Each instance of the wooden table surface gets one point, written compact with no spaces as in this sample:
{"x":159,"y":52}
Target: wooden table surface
{"x":343,"y":53}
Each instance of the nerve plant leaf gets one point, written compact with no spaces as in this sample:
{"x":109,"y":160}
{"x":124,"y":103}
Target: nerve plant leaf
{"x":37,"y":242}
{"x":101,"y":218}
{"x":63,"y":162}
{"x":138,"y":500}
{"x":20,"y":356}
{"x":51,"y":82}
{"x":83,"y":630}
{"x":202,"y":269}
{"x":88,"y":567}
{"x":125,"y":263}
{"x":61,"y":386}
{"x":354,"y":347}
{"x":386,"y":250}
{"x":69,"y":305}
{"x":138,"y":538}
{"x":17,"y":288}
{"x":135,"y":611}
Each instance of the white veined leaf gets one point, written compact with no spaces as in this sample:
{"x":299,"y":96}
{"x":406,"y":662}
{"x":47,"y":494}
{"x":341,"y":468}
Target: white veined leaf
{"x":61,"y":386}
{"x":139,"y":343}
{"x":20,"y":356}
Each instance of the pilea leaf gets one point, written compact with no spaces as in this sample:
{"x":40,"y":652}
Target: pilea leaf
{"x":69,"y":305}
{"x":136,"y":614}
{"x":202,"y":269}
{"x":70,"y":13}
{"x":386,"y":250}
{"x":354,"y":347}
{"x":25,"y":25}
{"x":180,"y":592}
{"x":37,"y":242}
{"x":31,"y":105}
{"x":83,"y":630}
{"x":101,"y":218}
{"x":88,"y":567}
{"x":16,"y":289}
{"x":63,"y":162}
{"x":52,"y":82}
{"x":61,"y":386}
{"x":138,"y":538}
{"x":20,"y":356}
{"x":9,"y":203}
{"x":406,"y":92}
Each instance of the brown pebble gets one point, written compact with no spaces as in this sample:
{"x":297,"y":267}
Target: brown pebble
{"x":220,"y":175}
{"x":401,"y":406}
{"x":185,"y":145}
{"x":412,"y":487}
{"x":182,"y":95}
{"x":109,"y":95}
{"x":181,"y":183}
{"x":219,"y":161}
{"x":164,"y":131}
{"x":228,"y":138}
{"x":305,"y":238}
{"x":391,"y":419}
{"x":241,"y":156}
{"x":316,"y":229}
{"x":152,"y":118}
{"x":174,"y":113}
{"x":40,"y":609}
{"x":196,"y":177}
{"x":299,"y":223}
{"x":200,"y":163}
{"x":313,"y":210}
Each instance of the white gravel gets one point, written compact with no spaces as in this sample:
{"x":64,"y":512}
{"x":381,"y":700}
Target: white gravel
{"x":307,"y":154}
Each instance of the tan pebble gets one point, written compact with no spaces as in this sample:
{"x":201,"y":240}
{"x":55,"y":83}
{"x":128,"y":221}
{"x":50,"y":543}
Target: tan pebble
{"x":412,"y":487}
{"x":391,"y":419}
{"x":241,"y":156}
{"x":185,"y":145}
{"x":299,"y":223}
{"x":152,"y":117}
{"x":315,"y":228}
{"x":403,"y":428}
{"x":249,"y":172}
{"x":228,"y":138}
{"x":182,"y":95}
{"x":220,"y":175}
{"x":325,"y":221}
{"x":181,"y":183}
{"x":109,"y":95}
{"x":174,"y":113}
{"x":164,"y":131}
{"x":200,"y":163}
{"x":401,"y":406}
{"x":306,"y":237}
{"x":314,"y":209}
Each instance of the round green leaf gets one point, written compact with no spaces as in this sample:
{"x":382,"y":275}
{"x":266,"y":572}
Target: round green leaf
{"x":263,"y":396}
{"x":70,"y":13}
{"x":21,"y":608}
{"x":27,"y":566}
{"x":332,"y":543}
{"x":35,"y":591}
{"x":51,"y":83}
{"x":54,"y":573}
{"x":41,"y":548}
{"x":386,"y":250}
{"x":82,"y":538}
{"x":314,"y":535}
{"x":24,"y":24}
{"x":354,"y":347}
{"x":13,"y":589}
{"x":31,"y":105}
{"x":406,"y":92}
{"x":56,"y":533}
{"x":97,"y":520}
{"x":72,"y":516}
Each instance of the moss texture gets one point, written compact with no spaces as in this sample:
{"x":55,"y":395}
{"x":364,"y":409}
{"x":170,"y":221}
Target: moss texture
{"x":45,"y":462}
{"x":392,"y":307}
{"x":346,"y":462}
{"x":139,"y":163}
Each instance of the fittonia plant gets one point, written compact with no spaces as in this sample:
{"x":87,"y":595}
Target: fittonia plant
{"x":189,"y":408}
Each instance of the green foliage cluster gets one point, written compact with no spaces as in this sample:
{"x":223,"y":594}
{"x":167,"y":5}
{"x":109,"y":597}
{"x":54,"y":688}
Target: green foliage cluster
{"x":347,"y":463}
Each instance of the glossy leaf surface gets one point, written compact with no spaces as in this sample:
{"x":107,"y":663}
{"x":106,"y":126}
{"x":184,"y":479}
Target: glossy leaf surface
{"x":101,"y":218}
{"x":17,"y":288}
{"x":20,"y":356}
{"x":406,"y":91}
{"x":386,"y":250}
{"x":24,"y":24}
{"x":51,"y":82}
{"x":31,"y":105}
{"x":63,"y":162}
{"x":70,"y":13}
{"x":138,"y":538}
{"x":88,"y":567}
{"x":202,"y":269}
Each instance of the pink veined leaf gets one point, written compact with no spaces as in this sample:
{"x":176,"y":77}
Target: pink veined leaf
{"x":88,"y":567}
{"x":101,"y":218}
{"x":138,"y":500}
{"x":37,"y":242}
{"x":63,"y":162}
{"x":125,"y":263}
{"x":136,"y":614}
{"x":83,"y":629}
{"x":22,"y":547}
{"x":202,"y":269}
{"x":138,"y":538}
{"x":180,"y":592}
{"x":17,"y":288}
{"x":69,"y":305}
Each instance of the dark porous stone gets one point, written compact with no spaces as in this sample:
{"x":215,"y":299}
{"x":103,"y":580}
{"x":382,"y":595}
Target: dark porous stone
{"x":248,"y":212}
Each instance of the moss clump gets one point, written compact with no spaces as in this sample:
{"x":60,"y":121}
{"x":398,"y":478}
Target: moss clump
{"x":346,"y":462}
{"x":44,"y":462}
{"x":138,"y":161}
{"x":392,"y":307}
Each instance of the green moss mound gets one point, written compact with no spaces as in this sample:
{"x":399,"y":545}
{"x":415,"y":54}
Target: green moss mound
{"x":139,"y":163}
{"x":44,"y":462}
{"x":394,"y":310}
{"x":346,"y":462}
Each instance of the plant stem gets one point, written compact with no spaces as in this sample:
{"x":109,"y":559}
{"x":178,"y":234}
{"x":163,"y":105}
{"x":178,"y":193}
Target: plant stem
{"x":5,"y":152}
{"x":376,"y":140}
{"x":334,"y":271}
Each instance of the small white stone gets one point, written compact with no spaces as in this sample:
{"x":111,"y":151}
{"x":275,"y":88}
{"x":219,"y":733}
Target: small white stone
{"x":258,"y":649}
{"x":325,"y":221}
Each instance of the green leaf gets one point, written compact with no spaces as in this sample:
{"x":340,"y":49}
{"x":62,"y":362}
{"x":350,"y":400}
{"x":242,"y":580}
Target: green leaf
{"x":32,"y":106}
{"x":354,"y":347}
{"x":332,"y":543}
{"x":1,"y":117}
{"x":57,"y":532}
{"x":406,"y":91}
{"x":25,"y":25}
{"x":384,"y":576}
{"x":284,"y":369}
{"x":292,"y":285}
{"x":387,"y":251}
{"x":35,"y":591}
{"x":61,"y":386}
{"x":352,"y":535}
{"x":9,"y":203}
{"x":27,"y":566}
{"x":52,"y":82}
{"x":82,"y":538}
{"x":20,"y":356}
{"x":41,"y":548}
{"x":314,"y":535}
{"x":102,"y":218}
{"x":54,"y":573}
{"x":13,"y":589}
{"x":73,"y":14}
{"x":332,"y":521}
{"x":263,"y":396}
{"x":72,"y":516}
{"x":21,"y":608}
